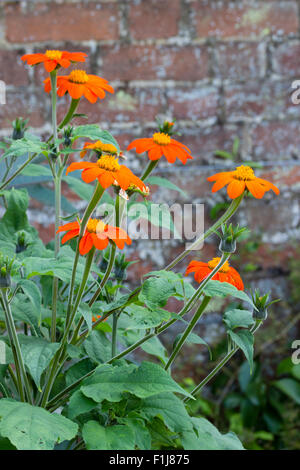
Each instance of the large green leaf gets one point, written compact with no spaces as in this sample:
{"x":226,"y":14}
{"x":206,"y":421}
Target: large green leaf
{"x":98,"y":347}
{"x":170,"y":408}
{"x":117,"y":437}
{"x":156,"y":291}
{"x":37,"y":354}
{"x":15,"y":218}
{"x":79,"y":404}
{"x":142,"y":436}
{"x":20,"y":147}
{"x":207,"y":437}
{"x":31,"y":291}
{"x":109,"y":383}
{"x":238,"y":318}
{"x":142,"y":318}
{"x":222,"y":289}
{"x":244,"y":340}
{"x":32,"y":428}
{"x":94,"y":132}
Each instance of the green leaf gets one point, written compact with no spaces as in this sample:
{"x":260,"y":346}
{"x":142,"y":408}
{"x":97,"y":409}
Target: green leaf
{"x":244,"y":339}
{"x":170,"y":408}
{"x":28,"y":144}
{"x":109,"y":383}
{"x":37,"y":354}
{"x":32,"y":428}
{"x":238,"y":318}
{"x":289,"y":387}
{"x":33,"y":169}
{"x":207,"y":437}
{"x":94,"y":132}
{"x":155,"y":292}
{"x":115,"y":437}
{"x":154,"y":347}
{"x":193,"y":339}
{"x":15,"y":218}
{"x":142,"y":437}
{"x":164,"y":183}
{"x":97,"y":347}
{"x":79,"y":404}
{"x":222,"y":289}
{"x":142,"y":318}
{"x":32,"y":292}
{"x":26,"y":312}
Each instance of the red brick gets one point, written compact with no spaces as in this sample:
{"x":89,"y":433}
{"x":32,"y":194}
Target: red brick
{"x":62,"y":22}
{"x":273,"y":140}
{"x":150,"y":62}
{"x":12,"y":70}
{"x":245,"y":19}
{"x":154,"y":18}
{"x":46,"y":232}
{"x":286,"y":59}
{"x":193,"y":103}
{"x":255,"y":99}
{"x":241,"y":60}
{"x":23,"y":104}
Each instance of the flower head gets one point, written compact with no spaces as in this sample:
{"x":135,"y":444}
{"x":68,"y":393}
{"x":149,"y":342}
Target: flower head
{"x":107,"y":171}
{"x":78,"y":83}
{"x":97,"y":234}
{"x":225,"y":274}
{"x":241,"y":178}
{"x":99,"y":147}
{"x":54,"y":59}
{"x":161,"y":143}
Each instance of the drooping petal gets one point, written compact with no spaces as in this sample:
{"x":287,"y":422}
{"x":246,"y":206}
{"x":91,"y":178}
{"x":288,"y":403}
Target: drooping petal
{"x":235,"y":188}
{"x":256,"y":189}
{"x":85,"y":244}
{"x":69,"y":235}
{"x":221,"y":182}
{"x":80,"y":166}
{"x":155,"y":153}
{"x":69,"y":226}
{"x":90,"y":174}
{"x":99,"y":243}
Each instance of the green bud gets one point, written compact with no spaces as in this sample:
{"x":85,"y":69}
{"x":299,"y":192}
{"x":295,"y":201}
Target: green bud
{"x":19,"y":128}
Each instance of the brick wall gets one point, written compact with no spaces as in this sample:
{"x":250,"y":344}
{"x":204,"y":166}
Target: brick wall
{"x":221,"y":68}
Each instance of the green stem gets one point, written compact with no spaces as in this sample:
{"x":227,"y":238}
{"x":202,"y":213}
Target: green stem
{"x":57,"y":186}
{"x":19,"y":170}
{"x":60,"y":353}
{"x":188,"y":330}
{"x":91,"y":206}
{"x":149,"y":169}
{"x":216,"y":369}
{"x":114,"y":334}
{"x":69,"y":115}
{"x":19,"y":363}
{"x":227,"y":215}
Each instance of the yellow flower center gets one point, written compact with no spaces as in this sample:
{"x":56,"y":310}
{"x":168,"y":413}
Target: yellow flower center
{"x":161,"y":139}
{"x":109,"y":163}
{"x":95,"y":226}
{"x":78,"y":76}
{"x":244,"y":173}
{"x":215,"y":261}
{"x":54,"y":55}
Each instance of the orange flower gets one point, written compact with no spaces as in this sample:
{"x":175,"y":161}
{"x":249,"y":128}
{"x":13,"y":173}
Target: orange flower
{"x":226,"y":273}
{"x":241,"y":178}
{"x":54,"y":59}
{"x":98,"y":147}
{"x":107,"y":171}
{"x":162,"y":144}
{"x":79,"y":83}
{"x":96,"y":234}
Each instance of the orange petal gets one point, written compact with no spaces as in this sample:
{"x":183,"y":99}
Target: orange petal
{"x":90,"y":174}
{"x":256,"y":189}
{"x":80,"y":166}
{"x":69,"y":235}
{"x":85,"y":244}
{"x":99,"y":243}
{"x":221,"y":182}
{"x":69,"y":226}
{"x":235,"y":188}
{"x":155,"y":153}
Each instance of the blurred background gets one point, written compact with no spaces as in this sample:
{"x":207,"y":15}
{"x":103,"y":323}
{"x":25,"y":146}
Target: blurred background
{"x":224,"y":70}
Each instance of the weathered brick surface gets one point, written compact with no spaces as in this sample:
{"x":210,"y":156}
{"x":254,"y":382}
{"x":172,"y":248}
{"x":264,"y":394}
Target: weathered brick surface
{"x":286,"y":59}
{"x":245,"y":19}
{"x":155,"y":19}
{"x":131,"y":62}
{"x":241,"y":60}
{"x":58,"y":22}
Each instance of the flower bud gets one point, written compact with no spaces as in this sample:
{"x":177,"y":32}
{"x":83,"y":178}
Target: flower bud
{"x":22,"y":242}
{"x":261,"y":303}
{"x":229,"y":236}
{"x":67,"y":136}
{"x":5,"y":270}
{"x":19,"y":128}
